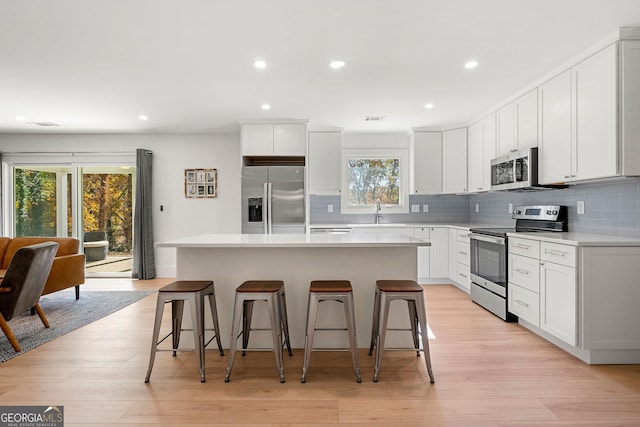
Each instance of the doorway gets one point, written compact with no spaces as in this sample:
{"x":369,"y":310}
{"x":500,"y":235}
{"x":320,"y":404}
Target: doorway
{"x":91,"y":202}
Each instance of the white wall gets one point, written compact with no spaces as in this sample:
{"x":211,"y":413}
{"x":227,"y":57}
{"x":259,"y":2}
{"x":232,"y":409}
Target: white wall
{"x":172,"y":154}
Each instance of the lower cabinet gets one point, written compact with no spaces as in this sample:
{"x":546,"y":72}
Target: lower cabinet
{"x":558,"y":301}
{"x":433,"y":261}
{"x":459,"y":270}
{"x":544,"y":292}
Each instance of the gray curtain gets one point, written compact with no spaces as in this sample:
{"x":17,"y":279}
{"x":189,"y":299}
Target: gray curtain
{"x":144,"y":265}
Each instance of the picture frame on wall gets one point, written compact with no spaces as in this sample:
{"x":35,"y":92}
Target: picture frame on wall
{"x":200,"y":183}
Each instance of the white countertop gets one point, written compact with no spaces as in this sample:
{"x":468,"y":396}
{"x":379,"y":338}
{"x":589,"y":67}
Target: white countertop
{"x":391,"y":225}
{"x":293,"y":240}
{"x":579,"y":239}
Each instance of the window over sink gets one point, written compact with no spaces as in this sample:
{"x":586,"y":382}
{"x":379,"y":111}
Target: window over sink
{"x":372,"y":175}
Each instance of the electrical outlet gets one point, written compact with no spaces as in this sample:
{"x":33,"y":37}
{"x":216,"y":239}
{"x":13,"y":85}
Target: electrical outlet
{"x":477,"y":208}
{"x":415,"y":208}
{"x":510,"y":208}
{"x":330,"y":208}
{"x":580,"y":207}
{"x":425,"y":208}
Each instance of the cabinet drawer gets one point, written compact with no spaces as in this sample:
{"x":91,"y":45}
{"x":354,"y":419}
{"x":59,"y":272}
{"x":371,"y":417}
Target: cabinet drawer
{"x":559,"y":254}
{"x":524,"y":304}
{"x":463,"y":236}
{"x":463,"y":275}
{"x":422,"y":233}
{"x":525,"y":272}
{"x":462,"y":253}
{"x":524,"y":247}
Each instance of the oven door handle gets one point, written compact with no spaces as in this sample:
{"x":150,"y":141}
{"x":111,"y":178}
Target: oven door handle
{"x":489,"y":239}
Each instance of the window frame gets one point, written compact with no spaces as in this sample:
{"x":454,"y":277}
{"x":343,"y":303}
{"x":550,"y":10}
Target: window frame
{"x":403,"y":194}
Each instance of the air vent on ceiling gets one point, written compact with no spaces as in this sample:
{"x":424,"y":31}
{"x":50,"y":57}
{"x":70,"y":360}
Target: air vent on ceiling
{"x":45,"y":124}
{"x":373,"y":118}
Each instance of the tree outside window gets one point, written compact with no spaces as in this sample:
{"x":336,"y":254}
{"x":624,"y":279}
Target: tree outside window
{"x":374,"y":179}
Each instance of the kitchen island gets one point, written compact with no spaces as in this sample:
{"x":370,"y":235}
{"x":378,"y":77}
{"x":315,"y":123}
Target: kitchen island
{"x":297,"y":259}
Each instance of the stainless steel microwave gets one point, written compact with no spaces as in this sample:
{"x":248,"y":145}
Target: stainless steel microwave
{"x":517,"y":170}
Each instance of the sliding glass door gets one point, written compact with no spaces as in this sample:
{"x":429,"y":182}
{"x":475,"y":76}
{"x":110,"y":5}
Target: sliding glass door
{"x":42,"y":201}
{"x":89,"y":201}
{"x":107,"y":217}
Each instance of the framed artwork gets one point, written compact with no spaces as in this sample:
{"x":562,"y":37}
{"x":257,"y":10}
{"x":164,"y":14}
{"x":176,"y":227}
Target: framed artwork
{"x":200,"y":183}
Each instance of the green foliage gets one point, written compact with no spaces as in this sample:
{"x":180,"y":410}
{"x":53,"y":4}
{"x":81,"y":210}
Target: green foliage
{"x":35,"y":203}
{"x":373,"y":179}
{"x":107,"y":205}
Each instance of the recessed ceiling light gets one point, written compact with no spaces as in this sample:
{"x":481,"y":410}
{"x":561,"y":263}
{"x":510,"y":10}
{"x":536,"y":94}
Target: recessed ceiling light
{"x":337,"y":64}
{"x":260,"y":64}
{"x":428,"y":106}
{"x":266,"y":106}
{"x":143,"y":117}
{"x":471,"y":64}
{"x":21,"y":118}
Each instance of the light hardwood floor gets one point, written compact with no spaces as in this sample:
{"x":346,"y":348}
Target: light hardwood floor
{"x":488,"y":373}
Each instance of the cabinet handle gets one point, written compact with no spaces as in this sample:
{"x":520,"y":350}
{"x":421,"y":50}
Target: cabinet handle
{"x":513,"y":150}
{"x":567,"y":176}
{"x":462,"y":253}
{"x":521,"y":246}
{"x":519,"y":270}
{"x":554,"y":252}
{"x":522,"y":303}
{"x":479,"y":188}
{"x":463,"y":275}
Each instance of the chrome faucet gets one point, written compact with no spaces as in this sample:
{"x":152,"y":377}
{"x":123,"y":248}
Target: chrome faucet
{"x":378,"y":208}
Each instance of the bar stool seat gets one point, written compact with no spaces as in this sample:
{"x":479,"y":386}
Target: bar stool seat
{"x":271,"y":291}
{"x":410,"y":291}
{"x":177,"y":293}
{"x":330,"y":290}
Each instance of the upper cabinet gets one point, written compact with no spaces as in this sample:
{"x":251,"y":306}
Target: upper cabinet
{"x":587,"y":127}
{"x":323,"y":162}
{"x":427,"y":162}
{"x":273,"y":139}
{"x":517,"y":124}
{"x":482,"y":149}
{"x":454,"y":161}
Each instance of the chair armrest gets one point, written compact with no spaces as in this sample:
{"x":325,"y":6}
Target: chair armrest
{"x":66,"y":271}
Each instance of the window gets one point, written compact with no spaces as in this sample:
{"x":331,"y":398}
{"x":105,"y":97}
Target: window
{"x":372,"y":176}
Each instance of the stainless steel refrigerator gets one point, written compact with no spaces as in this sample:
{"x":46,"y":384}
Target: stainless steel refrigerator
{"x":273,"y":199}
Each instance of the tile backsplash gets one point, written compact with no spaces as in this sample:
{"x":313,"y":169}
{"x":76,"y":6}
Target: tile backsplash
{"x":442,"y":209}
{"x":610,"y":208}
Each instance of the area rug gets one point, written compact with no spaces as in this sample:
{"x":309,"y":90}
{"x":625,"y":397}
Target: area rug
{"x":65,"y":314}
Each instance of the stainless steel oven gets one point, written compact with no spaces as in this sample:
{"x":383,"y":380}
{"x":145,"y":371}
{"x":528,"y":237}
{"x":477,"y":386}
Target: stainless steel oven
{"x":489,"y":254}
{"x":489,"y":272}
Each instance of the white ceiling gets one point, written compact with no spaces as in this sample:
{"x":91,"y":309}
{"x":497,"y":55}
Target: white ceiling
{"x":94,"y":66}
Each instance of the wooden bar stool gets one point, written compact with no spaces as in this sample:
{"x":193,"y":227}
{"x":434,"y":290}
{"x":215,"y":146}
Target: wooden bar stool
{"x":271,"y":291}
{"x":177,"y":293}
{"x":410,"y":291}
{"x":330,"y":290}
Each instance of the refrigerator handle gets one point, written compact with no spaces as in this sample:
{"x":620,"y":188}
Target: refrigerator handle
{"x":270,"y":204}
{"x":265,"y":208}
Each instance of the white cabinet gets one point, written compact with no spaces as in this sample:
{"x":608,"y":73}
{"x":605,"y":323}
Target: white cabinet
{"x":554,"y":152}
{"x":453,"y":263}
{"x":588,"y":128}
{"x":433,"y":261}
{"x":454,"y":155}
{"x":462,"y":275}
{"x":323,"y":162}
{"x":482,"y":149}
{"x":542,"y":286}
{"x":427,"y":162}
{"x":273,"y":139}
{"x":594,"y":116}
{"x":517,"y":124}
{"x":558,"y":301}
